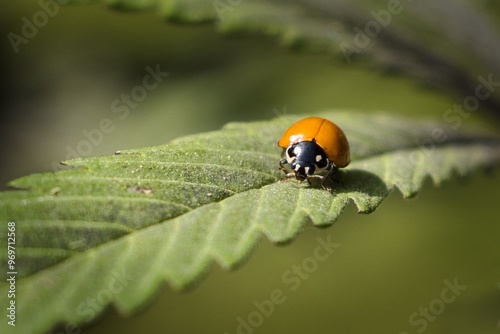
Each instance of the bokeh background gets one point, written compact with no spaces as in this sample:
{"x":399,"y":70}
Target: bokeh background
{"x":389,"y":264}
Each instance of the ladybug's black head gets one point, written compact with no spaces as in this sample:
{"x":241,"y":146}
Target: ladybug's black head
{"x":304,"y":158}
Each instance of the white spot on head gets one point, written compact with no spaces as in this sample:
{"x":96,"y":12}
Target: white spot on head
{"x":318,"y":158}
{"x":297,"y":150}
{"x":307,"y":170}
{"x":297,"y":167}
{"x":294,"y":139}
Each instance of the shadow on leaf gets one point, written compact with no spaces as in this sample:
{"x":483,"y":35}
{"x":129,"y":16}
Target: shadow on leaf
{"x":366,"y":189}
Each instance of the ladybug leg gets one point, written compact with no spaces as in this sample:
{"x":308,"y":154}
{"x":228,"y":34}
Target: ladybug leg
{"x":283,"y":168}
{"x":288,"y":174}
{"x":331,"y":170}
{"x":282,"y":162}
{"x":326,"y":177}
{"x":321,"y":178}
{"x":309,"y":180}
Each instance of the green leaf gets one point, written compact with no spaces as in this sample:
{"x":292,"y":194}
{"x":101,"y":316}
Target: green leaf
{"x":116,"y":228}
{"x":451,"y":44}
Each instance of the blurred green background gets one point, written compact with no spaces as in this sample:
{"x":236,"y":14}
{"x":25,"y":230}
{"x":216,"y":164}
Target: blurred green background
{"x":389,"y":264}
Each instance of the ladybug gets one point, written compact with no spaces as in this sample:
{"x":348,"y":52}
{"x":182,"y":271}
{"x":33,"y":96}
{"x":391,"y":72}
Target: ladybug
{"x":311,"y":145}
